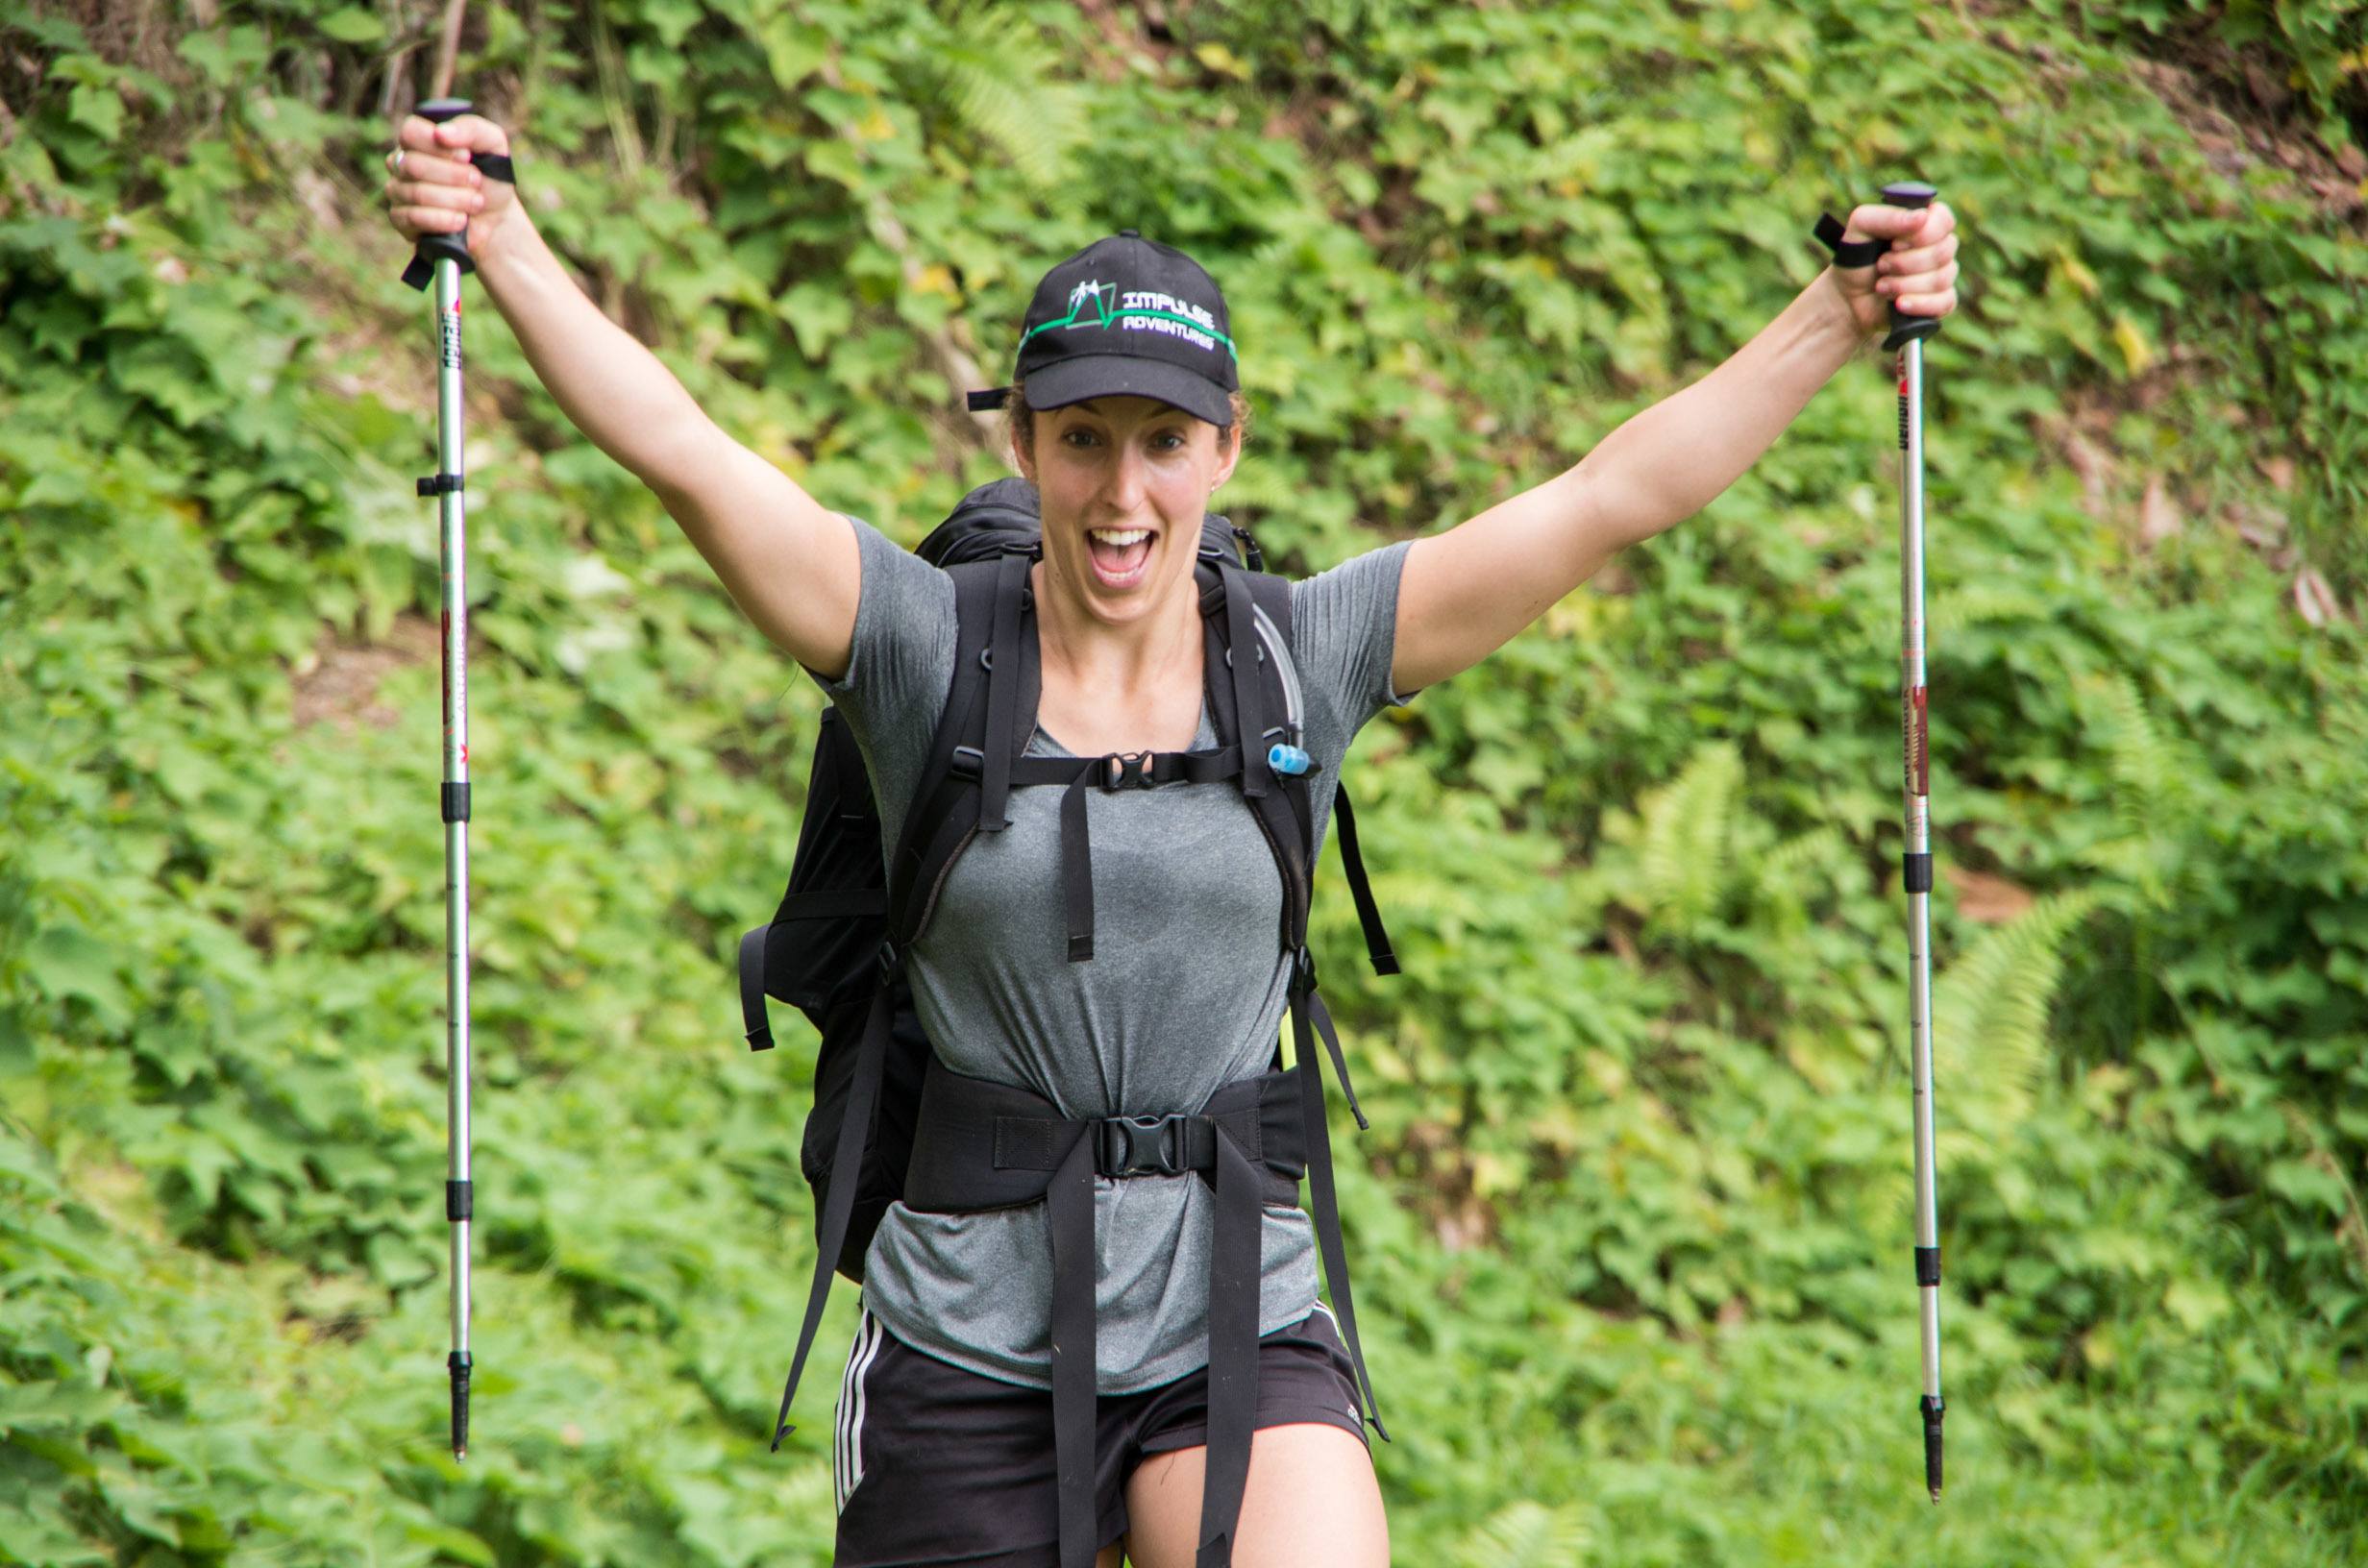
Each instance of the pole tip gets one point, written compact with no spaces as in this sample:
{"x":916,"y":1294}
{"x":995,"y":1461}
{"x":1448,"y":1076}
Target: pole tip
{"x":460,"y":1362}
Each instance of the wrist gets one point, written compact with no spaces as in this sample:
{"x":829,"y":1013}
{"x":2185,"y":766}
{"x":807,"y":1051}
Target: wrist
{"x":1840,"y":318}
{"x":509,"y":246}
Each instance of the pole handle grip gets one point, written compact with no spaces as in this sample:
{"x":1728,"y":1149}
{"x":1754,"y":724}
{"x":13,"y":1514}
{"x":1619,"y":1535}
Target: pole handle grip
{"x":1907,"y":328}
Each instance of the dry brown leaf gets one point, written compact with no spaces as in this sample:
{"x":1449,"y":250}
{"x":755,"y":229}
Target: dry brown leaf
{"x":2262,"y":527}
{"x":2095,"y":469}
{"x":337,"y":682}
{"x":2267,"y":89}
{"x":1989,"y":900}
{"x":2315,"y":599}
{"x":2158,"y":515}
{"x":2277,"y":471}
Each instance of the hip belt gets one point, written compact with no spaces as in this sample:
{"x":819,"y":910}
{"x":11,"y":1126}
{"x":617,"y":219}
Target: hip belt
{"x":979,"y":1146}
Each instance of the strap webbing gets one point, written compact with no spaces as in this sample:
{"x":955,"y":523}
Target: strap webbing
{"x":833,"y":904}
{"x":1332,"y":1045}
{"x":1233,"y":1350}
{"x":1242,"y":654}
{"x":1076,"y":839}
{"x":1369,"y":913}
{"x":1002,"y":695}
{"x":752,"y":1017}
{"x":1855,"y":253}
{"x":846,"y":1166}
{"x":1069,"y":1204}
{"x":1077,"y":864}
{"x":1326,"y":1202}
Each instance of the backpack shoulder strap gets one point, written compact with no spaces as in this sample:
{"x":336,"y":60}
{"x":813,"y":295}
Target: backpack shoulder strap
{"x":1271,"y":595}
{"x":1250,"y":707}
{"x":949,"y":799}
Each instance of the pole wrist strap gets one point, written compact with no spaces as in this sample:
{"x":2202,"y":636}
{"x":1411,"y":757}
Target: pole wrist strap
{"x":1847,"y":253}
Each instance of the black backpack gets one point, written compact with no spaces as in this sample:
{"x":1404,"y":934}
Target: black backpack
{"x":833,"y":948}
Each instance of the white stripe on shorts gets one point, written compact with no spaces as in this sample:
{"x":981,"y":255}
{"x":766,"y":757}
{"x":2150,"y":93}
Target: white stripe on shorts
{"x":849,"y":1454}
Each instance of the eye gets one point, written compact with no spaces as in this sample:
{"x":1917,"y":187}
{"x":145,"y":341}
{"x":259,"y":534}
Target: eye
{"x":1076,"y":430}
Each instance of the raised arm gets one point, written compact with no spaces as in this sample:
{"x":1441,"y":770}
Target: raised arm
{"x":789,"y":564}
{"x":1467,"y":592}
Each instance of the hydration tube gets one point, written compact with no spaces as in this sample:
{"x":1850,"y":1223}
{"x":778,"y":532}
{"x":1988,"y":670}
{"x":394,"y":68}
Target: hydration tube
{"x":1287,"y":755}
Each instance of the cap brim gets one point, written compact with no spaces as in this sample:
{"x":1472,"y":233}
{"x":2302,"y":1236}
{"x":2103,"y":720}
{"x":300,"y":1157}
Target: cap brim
{"x":1087,"y":376}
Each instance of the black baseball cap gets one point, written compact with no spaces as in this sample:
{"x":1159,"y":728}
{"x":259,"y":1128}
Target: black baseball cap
{"x":1126,"y":316}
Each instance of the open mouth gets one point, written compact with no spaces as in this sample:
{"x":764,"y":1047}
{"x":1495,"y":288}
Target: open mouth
{"x":1120,"y":555}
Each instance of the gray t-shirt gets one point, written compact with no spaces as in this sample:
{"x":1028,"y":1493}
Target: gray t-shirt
{"x":1186,"y":990}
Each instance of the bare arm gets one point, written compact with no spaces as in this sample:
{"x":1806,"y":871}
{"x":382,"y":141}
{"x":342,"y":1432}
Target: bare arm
{"x":1466,"y":593}
{"x":791,"y":566}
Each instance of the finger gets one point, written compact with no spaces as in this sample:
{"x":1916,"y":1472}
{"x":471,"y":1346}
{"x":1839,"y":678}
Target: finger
{"x":431,"y":167}
{"x":1935,"y":281}
{"x":1919,"y":283}
{"x":1900,"y":225}
{"x":417,"y":134}
{"x":1930,"y":226}
{"x":1916,"y":259}
{"x":471,"y":133}
{"x":444,"y":197}
{"x":414,"y":221}
{"x":1929,"y":305}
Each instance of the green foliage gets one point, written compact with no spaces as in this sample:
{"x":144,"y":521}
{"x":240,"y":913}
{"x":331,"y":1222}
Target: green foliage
{"x":1633,"y":1223}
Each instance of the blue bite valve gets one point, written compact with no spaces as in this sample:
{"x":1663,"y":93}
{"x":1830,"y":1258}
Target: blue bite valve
{"x":1289,"y":759}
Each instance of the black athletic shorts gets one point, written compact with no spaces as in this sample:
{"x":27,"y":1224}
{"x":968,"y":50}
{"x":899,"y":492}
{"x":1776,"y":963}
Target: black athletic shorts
{"x":940,"y":1465}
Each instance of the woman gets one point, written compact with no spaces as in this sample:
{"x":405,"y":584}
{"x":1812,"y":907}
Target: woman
{"x":1127,"y":418}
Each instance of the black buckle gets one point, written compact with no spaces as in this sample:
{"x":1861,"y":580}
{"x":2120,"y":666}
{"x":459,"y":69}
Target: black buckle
{"x":1139,"y":1147}
{"x":969,"y":761}
{"x":1120,"y":769}
{"x":890,"y":960}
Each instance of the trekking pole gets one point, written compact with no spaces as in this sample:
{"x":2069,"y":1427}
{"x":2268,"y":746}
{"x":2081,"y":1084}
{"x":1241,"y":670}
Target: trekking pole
{"x":1907,"y":336}
{"x":445,"y":257}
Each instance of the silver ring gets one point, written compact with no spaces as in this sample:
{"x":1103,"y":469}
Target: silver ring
{"x":397,"y":166}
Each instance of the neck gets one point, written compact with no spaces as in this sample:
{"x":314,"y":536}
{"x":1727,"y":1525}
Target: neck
{"x":1096,"y":656}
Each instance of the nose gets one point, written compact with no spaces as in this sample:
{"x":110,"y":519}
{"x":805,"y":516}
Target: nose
{"x":1129,"y":479}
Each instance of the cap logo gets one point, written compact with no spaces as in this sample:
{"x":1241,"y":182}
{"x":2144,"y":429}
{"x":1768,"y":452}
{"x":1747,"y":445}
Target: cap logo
{"x":1139,"y":311}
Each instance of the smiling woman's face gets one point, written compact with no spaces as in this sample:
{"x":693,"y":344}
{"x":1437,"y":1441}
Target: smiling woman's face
{"x":1123,"y":483}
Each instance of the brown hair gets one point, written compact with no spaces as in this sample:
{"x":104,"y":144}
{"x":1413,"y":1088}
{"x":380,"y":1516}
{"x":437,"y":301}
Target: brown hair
{"x":1020,"y":421}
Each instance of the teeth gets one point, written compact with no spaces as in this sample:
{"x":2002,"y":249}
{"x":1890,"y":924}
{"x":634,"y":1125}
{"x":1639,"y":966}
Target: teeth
{"x":1119,"y":536}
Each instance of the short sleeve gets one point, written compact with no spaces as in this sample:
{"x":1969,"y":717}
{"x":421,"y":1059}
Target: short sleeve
{"x":1344,"y":639}
{"x":898,"y":667}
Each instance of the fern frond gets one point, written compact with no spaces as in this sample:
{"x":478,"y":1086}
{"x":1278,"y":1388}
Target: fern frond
{"x":1974,"y":602}
{"x":1687,"y":828}
{"x":1990,"y":1015}
{"x":1530,"y":1535}
{"x":999,"y":76}
{"x":2145,"y":766}
{"x":1783,"y":879}
{"x":1819,"y":846}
